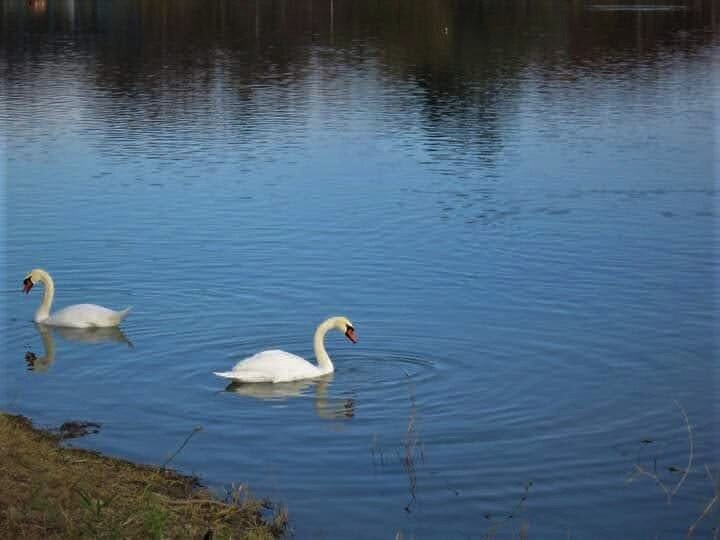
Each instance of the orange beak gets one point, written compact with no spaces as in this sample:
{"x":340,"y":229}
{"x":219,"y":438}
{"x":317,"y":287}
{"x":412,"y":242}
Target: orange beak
{"x":350,"y":334}
{"x":27,"y":285}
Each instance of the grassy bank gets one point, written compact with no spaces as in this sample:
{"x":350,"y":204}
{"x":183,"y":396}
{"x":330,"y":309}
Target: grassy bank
{"x":49,"y":491}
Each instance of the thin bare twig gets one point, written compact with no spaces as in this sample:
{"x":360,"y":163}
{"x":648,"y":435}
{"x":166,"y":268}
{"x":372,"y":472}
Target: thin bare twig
{"x":690,"y":450}
{"x":641,"y":471}
{"x":162,"y":469}
{"x":187,"y":440}
{"x":708,"y":507}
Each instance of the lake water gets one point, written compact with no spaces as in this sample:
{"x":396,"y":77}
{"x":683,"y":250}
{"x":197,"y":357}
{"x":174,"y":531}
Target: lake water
{"x":514,"y":202}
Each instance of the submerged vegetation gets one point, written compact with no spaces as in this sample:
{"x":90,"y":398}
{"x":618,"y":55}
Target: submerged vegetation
{"x":710,"y":507}
{"x":50,"y":491}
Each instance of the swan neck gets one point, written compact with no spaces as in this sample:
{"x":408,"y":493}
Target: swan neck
{"x":323,"y":360}
{"x":43,"y":311}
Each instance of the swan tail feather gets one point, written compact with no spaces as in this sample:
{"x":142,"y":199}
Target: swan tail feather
{"x":120,"y":315}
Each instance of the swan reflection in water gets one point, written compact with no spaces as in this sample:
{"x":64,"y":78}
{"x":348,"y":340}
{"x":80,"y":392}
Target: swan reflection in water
{"x":41,"y":364}
{"x":329,"y":408}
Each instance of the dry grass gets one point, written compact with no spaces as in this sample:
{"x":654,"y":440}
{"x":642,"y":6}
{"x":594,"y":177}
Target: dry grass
{"x":49,"y":491}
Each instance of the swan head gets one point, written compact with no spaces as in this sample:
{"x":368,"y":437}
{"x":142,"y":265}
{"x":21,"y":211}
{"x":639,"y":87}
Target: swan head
{"x":35,"y":276}
{"x":344,"y":325}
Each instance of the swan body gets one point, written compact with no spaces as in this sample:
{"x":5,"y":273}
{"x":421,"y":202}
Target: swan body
{"x":77,"y":316}
{"x":272,"y":367}
{"x":279,"y":366}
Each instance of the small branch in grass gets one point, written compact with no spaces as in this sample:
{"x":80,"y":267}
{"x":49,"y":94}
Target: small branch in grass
{"x":193,"y":501}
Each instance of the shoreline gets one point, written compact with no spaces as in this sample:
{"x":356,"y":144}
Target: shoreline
{"x":52,"y":491}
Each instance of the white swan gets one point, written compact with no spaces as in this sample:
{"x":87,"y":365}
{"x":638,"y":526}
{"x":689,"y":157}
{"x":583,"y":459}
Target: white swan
{"x":77,"y":316}
{"x":281,"y":366}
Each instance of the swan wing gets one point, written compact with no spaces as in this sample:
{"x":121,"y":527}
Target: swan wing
{"x":270,"y":359}
{"x":244,"y":376}
{"x":272,"y":366}
{"x":86,"y":316}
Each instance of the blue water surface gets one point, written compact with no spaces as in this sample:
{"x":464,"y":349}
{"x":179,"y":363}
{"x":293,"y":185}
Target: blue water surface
{"x":516,"y":208}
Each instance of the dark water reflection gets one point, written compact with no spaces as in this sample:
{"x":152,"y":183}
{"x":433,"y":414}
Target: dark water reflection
{"x":515,"y":203}
{"x":41,"y":363}
{"x":327,"y":408}
{"x":454,"y":68}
